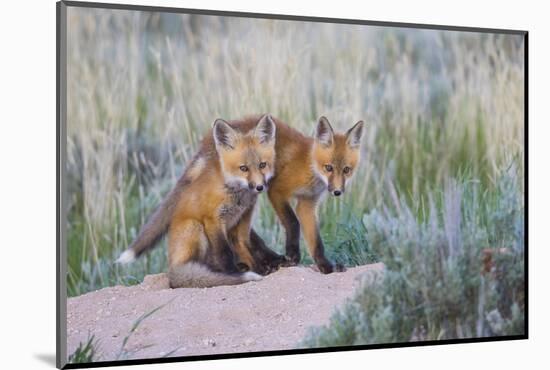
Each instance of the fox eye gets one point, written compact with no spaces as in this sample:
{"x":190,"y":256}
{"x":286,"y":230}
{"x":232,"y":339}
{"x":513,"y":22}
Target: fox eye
{"x":347,"y":170}
{"x":244,"y":168}
{"x":328,"y":167}
{"x":263,"y":164}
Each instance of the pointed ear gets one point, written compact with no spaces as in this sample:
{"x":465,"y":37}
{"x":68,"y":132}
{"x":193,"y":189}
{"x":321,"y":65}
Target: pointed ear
{"x":324,"y":134}
{"x":265,"y":130}
{"x":354,"y":134}
{"x":224,"y":135}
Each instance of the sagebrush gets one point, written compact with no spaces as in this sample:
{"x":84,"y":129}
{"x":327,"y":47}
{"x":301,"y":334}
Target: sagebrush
{"x":455,"y":272}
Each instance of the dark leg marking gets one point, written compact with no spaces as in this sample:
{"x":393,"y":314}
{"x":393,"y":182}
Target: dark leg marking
{"x":322,"y":262}
{"x":266,"y":259}
{"x":222,"y":258}
{"x":292,"y":226}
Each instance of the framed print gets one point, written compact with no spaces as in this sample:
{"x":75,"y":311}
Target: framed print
{"x":236,"y":184}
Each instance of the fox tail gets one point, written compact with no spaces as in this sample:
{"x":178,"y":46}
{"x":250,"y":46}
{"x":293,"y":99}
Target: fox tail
{"x":196,"y":275}
{"x":155,"y":228}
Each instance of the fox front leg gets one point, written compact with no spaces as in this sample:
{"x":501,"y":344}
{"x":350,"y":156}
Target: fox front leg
{"x":307,"y":213}
{"x":239,"y":238}
{"x":220,"y":256}
{"x":266,"y":259}
{"x":291,"y":224}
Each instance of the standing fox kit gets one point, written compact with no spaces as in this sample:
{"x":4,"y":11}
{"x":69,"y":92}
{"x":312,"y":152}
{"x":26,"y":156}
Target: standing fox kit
{"x":305,"y":168}
{"x":209,"y":212}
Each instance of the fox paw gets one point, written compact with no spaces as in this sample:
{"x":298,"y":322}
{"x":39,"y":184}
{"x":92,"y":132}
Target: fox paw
{"x":276,"y":262}
{"x":290,"y":260}
{"x":338,"y":267}
{"x":242,"y":267}
{"x":327,"y":267}
{"x":263,"y":269}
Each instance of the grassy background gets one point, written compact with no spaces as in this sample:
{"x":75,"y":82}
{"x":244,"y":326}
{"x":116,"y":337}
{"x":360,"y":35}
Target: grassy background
{"x":442,"y":175}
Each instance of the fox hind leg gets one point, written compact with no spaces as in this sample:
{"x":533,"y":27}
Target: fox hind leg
{"x":187,"y":242}
{"x":189,"y":253}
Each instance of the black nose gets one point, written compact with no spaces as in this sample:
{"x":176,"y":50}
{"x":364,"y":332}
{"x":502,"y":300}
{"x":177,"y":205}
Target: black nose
{"x":337,"y":193}
{"x":260,"y":187}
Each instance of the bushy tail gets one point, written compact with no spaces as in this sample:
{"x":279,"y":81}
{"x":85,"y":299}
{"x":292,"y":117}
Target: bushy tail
{"x":196,"y":275}
{"x":156,"y":226}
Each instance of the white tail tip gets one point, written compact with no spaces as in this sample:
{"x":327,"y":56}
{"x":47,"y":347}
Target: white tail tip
{"x":126,"y":257}
{"x":252,"y":276}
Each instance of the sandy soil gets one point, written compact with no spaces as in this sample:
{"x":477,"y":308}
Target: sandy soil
{"x":271,"y":314}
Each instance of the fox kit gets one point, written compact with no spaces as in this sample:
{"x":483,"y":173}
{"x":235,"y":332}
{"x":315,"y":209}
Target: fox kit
{"x":305,"y":169}
{"x":209,"y":212}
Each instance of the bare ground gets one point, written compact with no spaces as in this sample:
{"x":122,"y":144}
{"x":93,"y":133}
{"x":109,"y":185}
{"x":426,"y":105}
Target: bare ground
{"x":271,"y":314}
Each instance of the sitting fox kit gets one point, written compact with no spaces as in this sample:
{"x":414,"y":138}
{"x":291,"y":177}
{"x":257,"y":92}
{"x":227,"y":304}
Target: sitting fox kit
{"x":209,"y":212}
{"x":305,"y":169}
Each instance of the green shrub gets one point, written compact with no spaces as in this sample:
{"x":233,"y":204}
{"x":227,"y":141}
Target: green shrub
{"x":436,"y":285}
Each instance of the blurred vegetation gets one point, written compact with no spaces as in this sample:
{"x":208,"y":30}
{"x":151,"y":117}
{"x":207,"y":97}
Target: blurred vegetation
{"x":439,"y":281}
{"x":444,"y":113}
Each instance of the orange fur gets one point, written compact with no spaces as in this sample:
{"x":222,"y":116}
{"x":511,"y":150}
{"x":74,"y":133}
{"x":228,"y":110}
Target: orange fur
{"x":213,"y":200}
{"x":301,"y":172}
{"x":207,"y":195}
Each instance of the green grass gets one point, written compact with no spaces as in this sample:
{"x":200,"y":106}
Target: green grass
{"x":444,"y":113}
{"x":85,"y":352}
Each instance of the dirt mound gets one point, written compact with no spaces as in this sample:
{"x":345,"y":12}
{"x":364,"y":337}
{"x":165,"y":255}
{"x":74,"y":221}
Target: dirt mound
{"x":271,"y":314}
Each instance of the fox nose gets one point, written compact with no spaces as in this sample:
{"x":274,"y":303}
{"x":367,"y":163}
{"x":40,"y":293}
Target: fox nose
{"x":259,"y":188}
{"x":337,"y":193}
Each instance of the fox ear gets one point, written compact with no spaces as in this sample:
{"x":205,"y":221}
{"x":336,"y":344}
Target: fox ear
{"x":224,"y":135}
{"x":265,"y":129}
{"x":354,"y":134}
{"x":324,"y":134}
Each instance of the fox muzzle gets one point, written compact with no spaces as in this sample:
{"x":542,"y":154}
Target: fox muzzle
{"x":257,"y":187}
{"x":337,"y":189}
